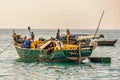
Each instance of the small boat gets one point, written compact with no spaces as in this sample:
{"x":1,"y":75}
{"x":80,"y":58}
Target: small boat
{"x":53,"y":50}
{"x":86,"y":39}
{"x":68,"y":52}
{"x":107,"y":42}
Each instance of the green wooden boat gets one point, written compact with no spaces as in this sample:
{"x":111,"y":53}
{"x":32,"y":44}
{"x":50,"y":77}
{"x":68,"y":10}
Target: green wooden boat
{"x":58,"y":55}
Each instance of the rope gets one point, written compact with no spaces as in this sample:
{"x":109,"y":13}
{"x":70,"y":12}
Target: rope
{"x":6,"y":48}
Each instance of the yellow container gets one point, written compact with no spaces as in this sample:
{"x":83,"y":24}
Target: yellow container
{"x":69,"y":47}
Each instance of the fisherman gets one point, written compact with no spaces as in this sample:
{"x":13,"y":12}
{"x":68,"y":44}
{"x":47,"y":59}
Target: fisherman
{"x":58,"y":36}
{"x":68,"y":35}
{"x":15,"y":37}
{"x":32,"y":36}
{"x":27,"y":43}
{"x":20,"y":39}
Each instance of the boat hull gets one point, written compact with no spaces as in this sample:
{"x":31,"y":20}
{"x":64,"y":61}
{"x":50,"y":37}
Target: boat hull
{"x":106,"y":43}
{"x":42,"y":55}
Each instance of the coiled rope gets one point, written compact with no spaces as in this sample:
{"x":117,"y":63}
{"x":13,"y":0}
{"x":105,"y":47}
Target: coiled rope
{"x":6,"y":48}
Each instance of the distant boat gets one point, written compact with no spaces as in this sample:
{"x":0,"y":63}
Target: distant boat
{"x":74,"y":38}
{"x":100,"y":42}
{"x":104,"y":42}
{"x":107,"y":42}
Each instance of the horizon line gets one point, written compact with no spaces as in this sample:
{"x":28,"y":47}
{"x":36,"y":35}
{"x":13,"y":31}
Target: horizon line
{"x":55,"y":28}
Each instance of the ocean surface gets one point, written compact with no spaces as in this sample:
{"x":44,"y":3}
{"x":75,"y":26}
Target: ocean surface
{"x":11,"y":68}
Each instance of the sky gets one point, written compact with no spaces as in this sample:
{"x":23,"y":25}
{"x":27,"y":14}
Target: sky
{"x":54,"y":14}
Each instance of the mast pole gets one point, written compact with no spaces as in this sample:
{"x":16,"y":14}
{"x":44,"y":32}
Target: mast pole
{"x":99,"y":24}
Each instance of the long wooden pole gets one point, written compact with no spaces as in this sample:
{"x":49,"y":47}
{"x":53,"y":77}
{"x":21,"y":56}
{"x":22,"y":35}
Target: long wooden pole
{"x":79,"y":52}
{"x":99,"y":24}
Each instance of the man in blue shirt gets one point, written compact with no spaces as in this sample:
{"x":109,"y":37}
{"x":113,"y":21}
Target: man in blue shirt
{"x":27,"y":44}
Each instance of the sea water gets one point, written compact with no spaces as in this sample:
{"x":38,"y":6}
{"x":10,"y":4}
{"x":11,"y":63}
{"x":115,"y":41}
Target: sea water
{"x":11,"y":68}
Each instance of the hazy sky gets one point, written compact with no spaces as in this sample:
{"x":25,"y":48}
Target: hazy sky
{"x":47,"y":14}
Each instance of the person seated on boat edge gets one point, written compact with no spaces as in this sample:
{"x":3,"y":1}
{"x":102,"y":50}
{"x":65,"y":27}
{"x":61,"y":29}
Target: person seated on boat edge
{"x":27,"y":43}
{"x":18,"y":38}
{"x":21,"y":40}
{"x":14,"y":38}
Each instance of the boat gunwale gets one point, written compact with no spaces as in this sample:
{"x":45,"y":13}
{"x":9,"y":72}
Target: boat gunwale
{"x":44,"y":49}
{"x":26,"y":48}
